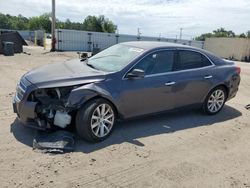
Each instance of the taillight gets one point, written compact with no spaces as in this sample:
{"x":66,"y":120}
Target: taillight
{"x":238,"y":69}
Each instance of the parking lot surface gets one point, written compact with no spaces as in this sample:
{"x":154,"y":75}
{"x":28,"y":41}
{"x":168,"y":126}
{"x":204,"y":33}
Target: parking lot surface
{"x":181,"y":149}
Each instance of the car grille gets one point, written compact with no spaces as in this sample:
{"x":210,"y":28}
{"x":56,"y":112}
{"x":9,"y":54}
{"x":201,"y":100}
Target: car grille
{"x":20,"y":90}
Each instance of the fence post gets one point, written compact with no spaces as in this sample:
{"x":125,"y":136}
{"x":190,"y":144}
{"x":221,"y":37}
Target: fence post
{"x":44,"y":41}
{"x":35,"y":38}
{"x":89,"y":42}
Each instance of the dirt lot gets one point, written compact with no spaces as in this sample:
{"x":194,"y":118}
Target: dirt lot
{"x":185,"y":149}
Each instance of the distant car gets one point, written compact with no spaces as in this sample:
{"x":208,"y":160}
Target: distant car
{"x":126,"y":80}
{"x":48,"y":36}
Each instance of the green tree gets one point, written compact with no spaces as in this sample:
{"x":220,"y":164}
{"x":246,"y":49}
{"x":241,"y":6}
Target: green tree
{"x":68,"y":24}
{"x":99,"y":24}
{"x":248,"y":34}
{"x":221,"y":32}
{"x":204,"y":36}
{"x":242,"y":35}
{"x":91,"y":23}
{"x":13,"y":22}
{"x":4,"y":22}
{"x":40,"y":22}
{"x":22,"y":22}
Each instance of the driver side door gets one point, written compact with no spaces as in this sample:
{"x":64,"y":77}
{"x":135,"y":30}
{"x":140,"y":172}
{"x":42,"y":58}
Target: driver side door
{"x":153,"y":92}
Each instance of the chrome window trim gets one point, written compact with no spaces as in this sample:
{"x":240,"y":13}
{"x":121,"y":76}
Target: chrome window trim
{"x":17,"y":98}
{"x":172,"y":72}
{"x":23,"y":90}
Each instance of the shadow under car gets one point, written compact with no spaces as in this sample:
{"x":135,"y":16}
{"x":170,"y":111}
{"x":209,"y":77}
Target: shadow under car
{"x":131,"y":130}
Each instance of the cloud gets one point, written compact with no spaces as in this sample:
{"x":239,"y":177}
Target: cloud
{"x":151,"y":16}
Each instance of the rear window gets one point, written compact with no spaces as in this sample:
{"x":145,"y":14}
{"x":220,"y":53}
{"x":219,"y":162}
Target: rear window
{"x":191,"y":60}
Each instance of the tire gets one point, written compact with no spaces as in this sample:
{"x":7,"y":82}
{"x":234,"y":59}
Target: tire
{"x":91,"y":124}
{"x":215,"y":101}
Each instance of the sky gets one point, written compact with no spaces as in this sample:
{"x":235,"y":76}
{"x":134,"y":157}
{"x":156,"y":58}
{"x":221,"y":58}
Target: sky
{"x":153,"y":17}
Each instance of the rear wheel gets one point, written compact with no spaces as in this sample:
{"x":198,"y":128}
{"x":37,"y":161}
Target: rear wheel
{"x":215,"y":101}
{"x":95,"y":120}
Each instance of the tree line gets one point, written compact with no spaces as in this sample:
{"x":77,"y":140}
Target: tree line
{"x":90,"y":23}
{"x":221,"y":32}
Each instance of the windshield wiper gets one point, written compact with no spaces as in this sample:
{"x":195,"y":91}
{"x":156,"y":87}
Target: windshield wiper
{"x":92,"y":66}
{"x":106,"y":56}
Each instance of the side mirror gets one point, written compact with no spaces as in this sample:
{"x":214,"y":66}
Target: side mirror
{"x":136,"y":73}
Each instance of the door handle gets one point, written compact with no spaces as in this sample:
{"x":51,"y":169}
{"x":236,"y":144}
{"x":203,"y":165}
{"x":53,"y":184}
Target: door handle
{"x":169,"y":83}
{"x":208,"y":76}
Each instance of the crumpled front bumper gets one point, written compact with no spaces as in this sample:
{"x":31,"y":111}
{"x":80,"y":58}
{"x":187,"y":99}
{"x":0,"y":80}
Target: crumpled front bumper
{"x":26,"y":114}
{"x":24,"y":110}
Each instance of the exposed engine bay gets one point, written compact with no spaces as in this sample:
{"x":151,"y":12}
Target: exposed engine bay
{"x":52,"y":107}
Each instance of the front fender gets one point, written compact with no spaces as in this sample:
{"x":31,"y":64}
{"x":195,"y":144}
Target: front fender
{"x":82,"y":94}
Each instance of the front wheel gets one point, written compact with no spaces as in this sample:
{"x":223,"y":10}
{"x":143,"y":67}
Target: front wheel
{"x":215,"y":101}
{"x":95,"y":120}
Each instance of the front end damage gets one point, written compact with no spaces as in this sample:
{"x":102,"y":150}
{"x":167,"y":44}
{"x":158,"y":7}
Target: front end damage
{"x":51,"y":106}
{"x":50,"y":95}
{"x":46,"y":107}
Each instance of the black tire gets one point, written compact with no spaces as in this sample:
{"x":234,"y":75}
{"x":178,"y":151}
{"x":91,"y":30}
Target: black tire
{"x":205,"y":107}
{"x":83,"y":120}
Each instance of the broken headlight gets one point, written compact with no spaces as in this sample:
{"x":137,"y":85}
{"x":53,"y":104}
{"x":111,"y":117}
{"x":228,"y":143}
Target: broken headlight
{"x":51,"y":105}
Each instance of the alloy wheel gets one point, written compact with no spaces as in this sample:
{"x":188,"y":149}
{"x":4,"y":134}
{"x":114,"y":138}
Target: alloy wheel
{"x":216,"y":101}
{"x":102,"y":120}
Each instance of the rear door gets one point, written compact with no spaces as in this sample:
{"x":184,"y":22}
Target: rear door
{"x":193,"y":77}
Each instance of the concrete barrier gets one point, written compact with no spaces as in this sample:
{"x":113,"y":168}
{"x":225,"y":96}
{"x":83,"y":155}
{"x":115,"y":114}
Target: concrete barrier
{"x":229,"y":48}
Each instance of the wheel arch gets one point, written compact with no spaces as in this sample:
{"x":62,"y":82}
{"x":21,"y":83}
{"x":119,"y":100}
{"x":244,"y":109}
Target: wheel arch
{"x":105,"y":98}
{"x":204,"y":107}
{"x":80,"y":96}
{"x":219,"y":85}
{"x":226,"y":89}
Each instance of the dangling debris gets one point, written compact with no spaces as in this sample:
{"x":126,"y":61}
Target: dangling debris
{"x":55,"y":142}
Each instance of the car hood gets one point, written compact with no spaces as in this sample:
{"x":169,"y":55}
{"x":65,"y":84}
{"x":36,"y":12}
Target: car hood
{"x":68,"y":73}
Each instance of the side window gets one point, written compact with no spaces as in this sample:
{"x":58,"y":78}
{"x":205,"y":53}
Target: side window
{"x":191,"y":60}
{"x":205,"y":61}
{"x":158,"y":62}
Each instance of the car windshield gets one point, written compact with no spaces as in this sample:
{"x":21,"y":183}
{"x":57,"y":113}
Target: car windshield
{"x":114,"y":58}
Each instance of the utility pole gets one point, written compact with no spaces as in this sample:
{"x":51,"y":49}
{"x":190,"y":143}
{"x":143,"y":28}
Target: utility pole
{"x":138,"y":34}
{"x":159,"y":39}
{"x":53,"y":25}
{"x":117,"y":30}
{"x":181,"y":33}
{"x":117,"y":35}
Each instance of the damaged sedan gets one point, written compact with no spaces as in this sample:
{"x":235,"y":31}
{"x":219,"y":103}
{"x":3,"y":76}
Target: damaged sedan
{"x":124,"y":81}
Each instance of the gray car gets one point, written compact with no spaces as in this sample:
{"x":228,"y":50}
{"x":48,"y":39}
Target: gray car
{"x":124,"y":81}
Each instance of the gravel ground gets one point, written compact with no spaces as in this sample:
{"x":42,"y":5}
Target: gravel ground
{"x":184,"y":149}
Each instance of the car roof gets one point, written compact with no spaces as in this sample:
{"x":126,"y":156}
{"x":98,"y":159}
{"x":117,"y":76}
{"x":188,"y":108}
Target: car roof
{"x":151,"y":45}
{"x":148,"y":45}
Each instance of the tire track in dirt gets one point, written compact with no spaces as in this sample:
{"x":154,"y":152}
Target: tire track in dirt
{"x":115,"y":178}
